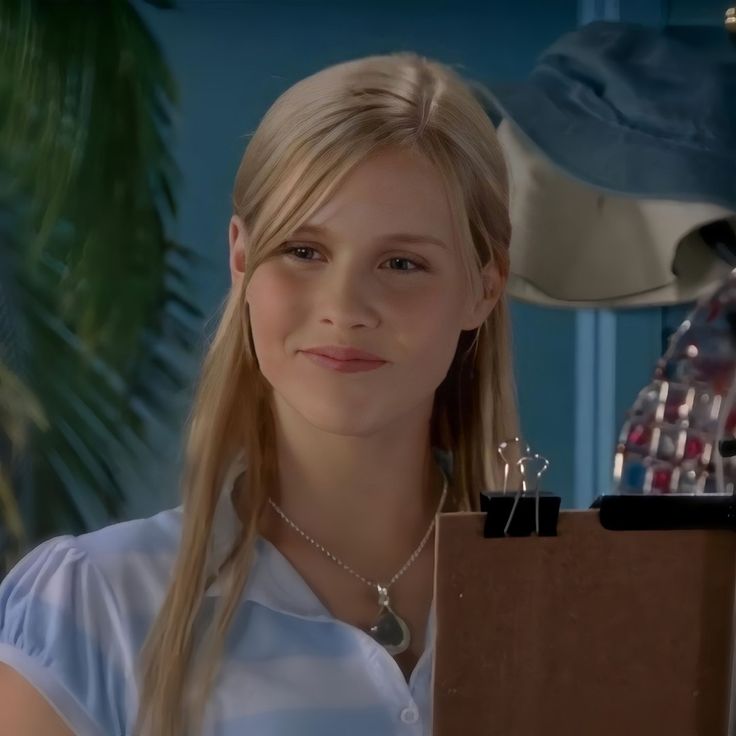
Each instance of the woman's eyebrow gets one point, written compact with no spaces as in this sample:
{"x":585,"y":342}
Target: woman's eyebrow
{"x":320,"y":231}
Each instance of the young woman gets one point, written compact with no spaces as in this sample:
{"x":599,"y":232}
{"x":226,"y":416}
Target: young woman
{"x":358,"y":384}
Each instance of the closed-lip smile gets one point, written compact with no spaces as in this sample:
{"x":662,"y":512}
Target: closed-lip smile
{"x":337,"y":352}
{"x":344,"y":360}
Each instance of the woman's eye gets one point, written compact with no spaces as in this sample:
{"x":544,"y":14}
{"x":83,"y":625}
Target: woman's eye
{"x":299,"y":249}
{"x":414,"y":265}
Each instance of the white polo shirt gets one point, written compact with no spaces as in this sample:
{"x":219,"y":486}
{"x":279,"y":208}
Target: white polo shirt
{"x":75,"y":611}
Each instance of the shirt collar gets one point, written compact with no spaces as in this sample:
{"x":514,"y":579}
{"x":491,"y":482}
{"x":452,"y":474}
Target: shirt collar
{"x":273,"y":581}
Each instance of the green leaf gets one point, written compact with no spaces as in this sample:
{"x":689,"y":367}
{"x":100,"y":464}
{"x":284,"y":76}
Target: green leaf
{"x":104,"y":296}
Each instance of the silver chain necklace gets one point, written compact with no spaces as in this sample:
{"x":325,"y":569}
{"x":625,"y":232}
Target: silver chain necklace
{"x":389,"y":630}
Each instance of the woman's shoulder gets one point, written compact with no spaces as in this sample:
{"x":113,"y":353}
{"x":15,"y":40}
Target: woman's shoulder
{"x":126,"y":562}
{"x":118,"y":573}
{"x":75,"y":609}
{"x":142,"y":542}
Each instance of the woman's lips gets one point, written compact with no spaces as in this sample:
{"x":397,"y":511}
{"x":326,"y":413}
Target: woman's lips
{"x":344,"y":366}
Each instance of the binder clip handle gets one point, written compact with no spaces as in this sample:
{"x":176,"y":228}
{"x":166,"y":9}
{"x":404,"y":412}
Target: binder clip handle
{"x":522,"y":513}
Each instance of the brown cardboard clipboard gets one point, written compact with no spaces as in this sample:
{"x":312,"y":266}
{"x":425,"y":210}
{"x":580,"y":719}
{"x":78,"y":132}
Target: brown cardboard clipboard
{"x":607,"y":633}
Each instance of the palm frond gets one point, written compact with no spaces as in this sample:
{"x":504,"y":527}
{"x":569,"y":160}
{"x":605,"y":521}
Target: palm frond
{"x":102,"y":294}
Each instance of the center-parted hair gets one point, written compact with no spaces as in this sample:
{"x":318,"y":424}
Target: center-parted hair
{"x":314,"y":134}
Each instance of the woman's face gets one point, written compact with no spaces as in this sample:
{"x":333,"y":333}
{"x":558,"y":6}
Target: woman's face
{"x":350,"y":281}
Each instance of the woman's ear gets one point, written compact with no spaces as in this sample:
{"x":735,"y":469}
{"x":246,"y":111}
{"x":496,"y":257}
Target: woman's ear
{"x":238,"y":237}
{"x":478,"y":311}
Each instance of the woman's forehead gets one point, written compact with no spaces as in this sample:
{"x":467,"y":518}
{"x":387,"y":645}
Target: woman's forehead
{"x":394,"y":192}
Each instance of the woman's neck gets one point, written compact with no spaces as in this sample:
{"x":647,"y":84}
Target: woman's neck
{"x":368,"y":500}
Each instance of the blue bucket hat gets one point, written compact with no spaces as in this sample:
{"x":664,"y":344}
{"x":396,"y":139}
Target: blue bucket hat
{"x":621,"y":147}
{"x":633,"y":109}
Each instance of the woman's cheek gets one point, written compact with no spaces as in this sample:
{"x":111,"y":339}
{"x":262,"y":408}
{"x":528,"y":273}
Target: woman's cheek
{"x":271,"y":312}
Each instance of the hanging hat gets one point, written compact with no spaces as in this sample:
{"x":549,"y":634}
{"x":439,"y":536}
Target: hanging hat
{"x":573,"y":245}
{"x":622,"y":158}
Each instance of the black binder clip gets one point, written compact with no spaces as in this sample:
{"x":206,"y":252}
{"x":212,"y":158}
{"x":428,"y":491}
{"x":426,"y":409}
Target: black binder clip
{"x":525,"y":512}
{"x":651,"y":512}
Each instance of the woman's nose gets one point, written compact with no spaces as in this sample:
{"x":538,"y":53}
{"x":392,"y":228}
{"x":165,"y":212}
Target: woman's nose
{"x":346,"y":297}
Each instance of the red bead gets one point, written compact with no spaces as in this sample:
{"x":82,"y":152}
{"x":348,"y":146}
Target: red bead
{"x":693,"y":447}
{"x":639,"y":435}
{"x":661,"y":480}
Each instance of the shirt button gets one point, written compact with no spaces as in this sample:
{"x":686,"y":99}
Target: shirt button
{"x":409,"y":715}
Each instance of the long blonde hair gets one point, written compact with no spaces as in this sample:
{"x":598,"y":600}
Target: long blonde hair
{"x":309,"y":139}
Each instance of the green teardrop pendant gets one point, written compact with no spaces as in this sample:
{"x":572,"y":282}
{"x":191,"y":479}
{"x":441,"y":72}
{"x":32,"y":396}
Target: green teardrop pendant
{"x":390,"y":630}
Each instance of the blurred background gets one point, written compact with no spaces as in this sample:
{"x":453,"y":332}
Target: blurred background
{"x":122,"y":123}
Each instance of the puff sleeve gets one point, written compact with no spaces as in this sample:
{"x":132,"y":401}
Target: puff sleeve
{"x":59,"y":629}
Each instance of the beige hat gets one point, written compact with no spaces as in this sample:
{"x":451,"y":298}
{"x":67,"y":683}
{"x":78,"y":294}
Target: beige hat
{"x":575,"y":245}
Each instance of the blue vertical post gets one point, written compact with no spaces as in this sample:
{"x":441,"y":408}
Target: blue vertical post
{"x":585,"y":406}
